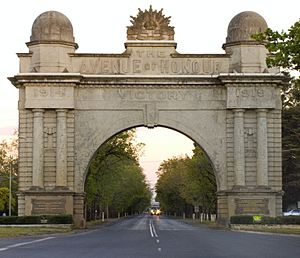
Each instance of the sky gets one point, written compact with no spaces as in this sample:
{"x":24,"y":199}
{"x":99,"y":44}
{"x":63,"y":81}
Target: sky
{"x":100,"y":27}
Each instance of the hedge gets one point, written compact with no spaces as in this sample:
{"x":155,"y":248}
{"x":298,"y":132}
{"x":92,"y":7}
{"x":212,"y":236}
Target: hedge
{"x":249,"y":219}
{"x":39,"y":219}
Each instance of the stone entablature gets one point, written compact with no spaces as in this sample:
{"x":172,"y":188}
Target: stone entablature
{"x":142,"y":58}
{"x":71,"y":103}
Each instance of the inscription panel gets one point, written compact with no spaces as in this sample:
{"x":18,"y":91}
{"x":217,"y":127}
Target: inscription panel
{"x":150,"y":63}
{"x":252,"y":206}
{"x":252,"y":97}
{"x":49,"y":97}
{"x":164,"y":98}
{"x":48,"y":206}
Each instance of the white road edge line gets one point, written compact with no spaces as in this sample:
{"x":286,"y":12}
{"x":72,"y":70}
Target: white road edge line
{"x":25,"y":243}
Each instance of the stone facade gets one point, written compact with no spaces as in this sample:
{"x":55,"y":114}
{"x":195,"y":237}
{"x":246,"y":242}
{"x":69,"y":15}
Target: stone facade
{"x":71,"y":103}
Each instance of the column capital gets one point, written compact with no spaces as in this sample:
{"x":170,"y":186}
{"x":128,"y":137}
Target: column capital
{"x":262,"y":112}
{"x":38,"y":110}
{"x":238,"y":110}
{"x":61,"y":110}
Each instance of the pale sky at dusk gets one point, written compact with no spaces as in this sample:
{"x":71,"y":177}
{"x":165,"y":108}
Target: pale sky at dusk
{"x":100,"y":27}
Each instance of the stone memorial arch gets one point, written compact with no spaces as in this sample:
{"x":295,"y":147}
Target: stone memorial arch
{"x":70,"y":103}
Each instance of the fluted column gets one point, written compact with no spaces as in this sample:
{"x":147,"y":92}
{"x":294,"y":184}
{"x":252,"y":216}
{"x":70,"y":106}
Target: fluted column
{"x":262,"y":148}
{"x":61,"y":147}
{"x":239,"y":149}
{"x":38,"y":149}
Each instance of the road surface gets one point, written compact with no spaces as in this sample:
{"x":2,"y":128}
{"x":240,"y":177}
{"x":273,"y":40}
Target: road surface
{"x":152,"y":236}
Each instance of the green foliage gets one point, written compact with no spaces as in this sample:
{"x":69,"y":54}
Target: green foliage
{"x":291,"y":156}
{"x":115,"y":181}
{"x":170,"y":184}
{"x":37,"y":219}
{"x":284,"y":49}
{"x":290,"y":220}
{"x":4,"y":199}
{"x":241,"y":219}
{"x":8,"y":165}
{"x":266,"y":220}
{"x":187,"y":182}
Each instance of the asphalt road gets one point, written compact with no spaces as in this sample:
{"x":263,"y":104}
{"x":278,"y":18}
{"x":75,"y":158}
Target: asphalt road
{"x":147,"y":236}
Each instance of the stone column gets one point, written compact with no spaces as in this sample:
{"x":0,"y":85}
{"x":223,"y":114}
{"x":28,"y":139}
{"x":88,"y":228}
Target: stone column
{"x":38,"y":149}
{"x":61,"y":148}
{"x":262,"y":148}
{"x":238,"y":147}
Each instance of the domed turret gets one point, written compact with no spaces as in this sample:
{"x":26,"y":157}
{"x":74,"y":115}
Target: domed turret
{"x":246,"y":54}
{"x":244,"y":25}
{"x":51,"y":43}
{"x":52,"y":26}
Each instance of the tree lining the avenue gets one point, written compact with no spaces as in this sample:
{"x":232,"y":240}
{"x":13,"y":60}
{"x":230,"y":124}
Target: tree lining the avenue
{"x":115,"y":183}
{"x":187,"y":185}
{"x":284,"y":49}
{"x":8,"y":169}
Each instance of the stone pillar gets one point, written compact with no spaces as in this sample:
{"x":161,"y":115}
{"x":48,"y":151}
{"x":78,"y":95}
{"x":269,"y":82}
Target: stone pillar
{"x":238,"y":149}
{"x":262,"y":148}
{"x":61,"y":148}
{"x":38,"y":149}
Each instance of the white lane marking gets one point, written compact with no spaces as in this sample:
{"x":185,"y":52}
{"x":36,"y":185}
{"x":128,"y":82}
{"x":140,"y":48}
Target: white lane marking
{"x":152,"y":229}
{"x":25,"y":243}
{"x":159,"y":249}
{"x":157,"y":241}
{"x":150,"y":226}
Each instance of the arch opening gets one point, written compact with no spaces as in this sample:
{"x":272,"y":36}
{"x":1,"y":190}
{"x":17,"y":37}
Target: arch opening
{"x":150,"y":153}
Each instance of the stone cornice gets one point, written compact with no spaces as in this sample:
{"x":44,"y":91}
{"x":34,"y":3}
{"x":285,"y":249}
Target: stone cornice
{"x":51,"y":42}
{"x":231,"y":79}
{"x":243,"y":43}
{"x":150,"y":43}
{"x":178,"y":55}
{"x":110,"y":55}
{"x":253,"y":78}
{"x":20,"y":79}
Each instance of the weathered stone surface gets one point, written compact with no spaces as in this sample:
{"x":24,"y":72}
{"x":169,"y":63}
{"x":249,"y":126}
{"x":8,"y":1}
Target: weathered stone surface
{"x":71,"y":103}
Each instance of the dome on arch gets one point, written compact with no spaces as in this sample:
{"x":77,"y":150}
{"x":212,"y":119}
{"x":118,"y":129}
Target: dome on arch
{"x":52,"y":26}
{"x":243,"y":25}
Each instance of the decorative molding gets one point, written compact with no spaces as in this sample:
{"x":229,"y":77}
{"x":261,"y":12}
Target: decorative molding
{"x":49,"y":133}
{"x":150,"y":115}
{"x":150,"y":25}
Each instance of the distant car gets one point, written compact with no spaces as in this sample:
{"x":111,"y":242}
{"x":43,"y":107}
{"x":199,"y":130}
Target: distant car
{"x":294,"y":212}
{"x":155,"y":211}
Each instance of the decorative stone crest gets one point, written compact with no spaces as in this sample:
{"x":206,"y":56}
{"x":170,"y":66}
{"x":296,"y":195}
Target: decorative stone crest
{"x":150,"y":25}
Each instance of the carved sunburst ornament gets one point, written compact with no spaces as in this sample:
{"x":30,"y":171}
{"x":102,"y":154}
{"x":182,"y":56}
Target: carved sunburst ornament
{"x":150,"y":25}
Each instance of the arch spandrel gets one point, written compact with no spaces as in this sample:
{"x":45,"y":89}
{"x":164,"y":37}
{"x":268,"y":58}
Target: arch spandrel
{"x":94,"y":134}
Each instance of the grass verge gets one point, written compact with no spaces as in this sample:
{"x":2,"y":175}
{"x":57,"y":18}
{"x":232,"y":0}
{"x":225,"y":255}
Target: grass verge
{"x":30,"y":231}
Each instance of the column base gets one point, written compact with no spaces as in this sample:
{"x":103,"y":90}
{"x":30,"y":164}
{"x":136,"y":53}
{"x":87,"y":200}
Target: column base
{"x":42,"y":202}
{"x":36,"y":188}
{"x":61,"y":188}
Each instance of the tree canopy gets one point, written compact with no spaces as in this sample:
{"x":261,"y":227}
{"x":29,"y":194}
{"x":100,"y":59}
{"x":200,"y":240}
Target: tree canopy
{"x":185,"y":183}
{"x":284,"y":48}
{"x":8,"y":167}
{"x":115,"y":182}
